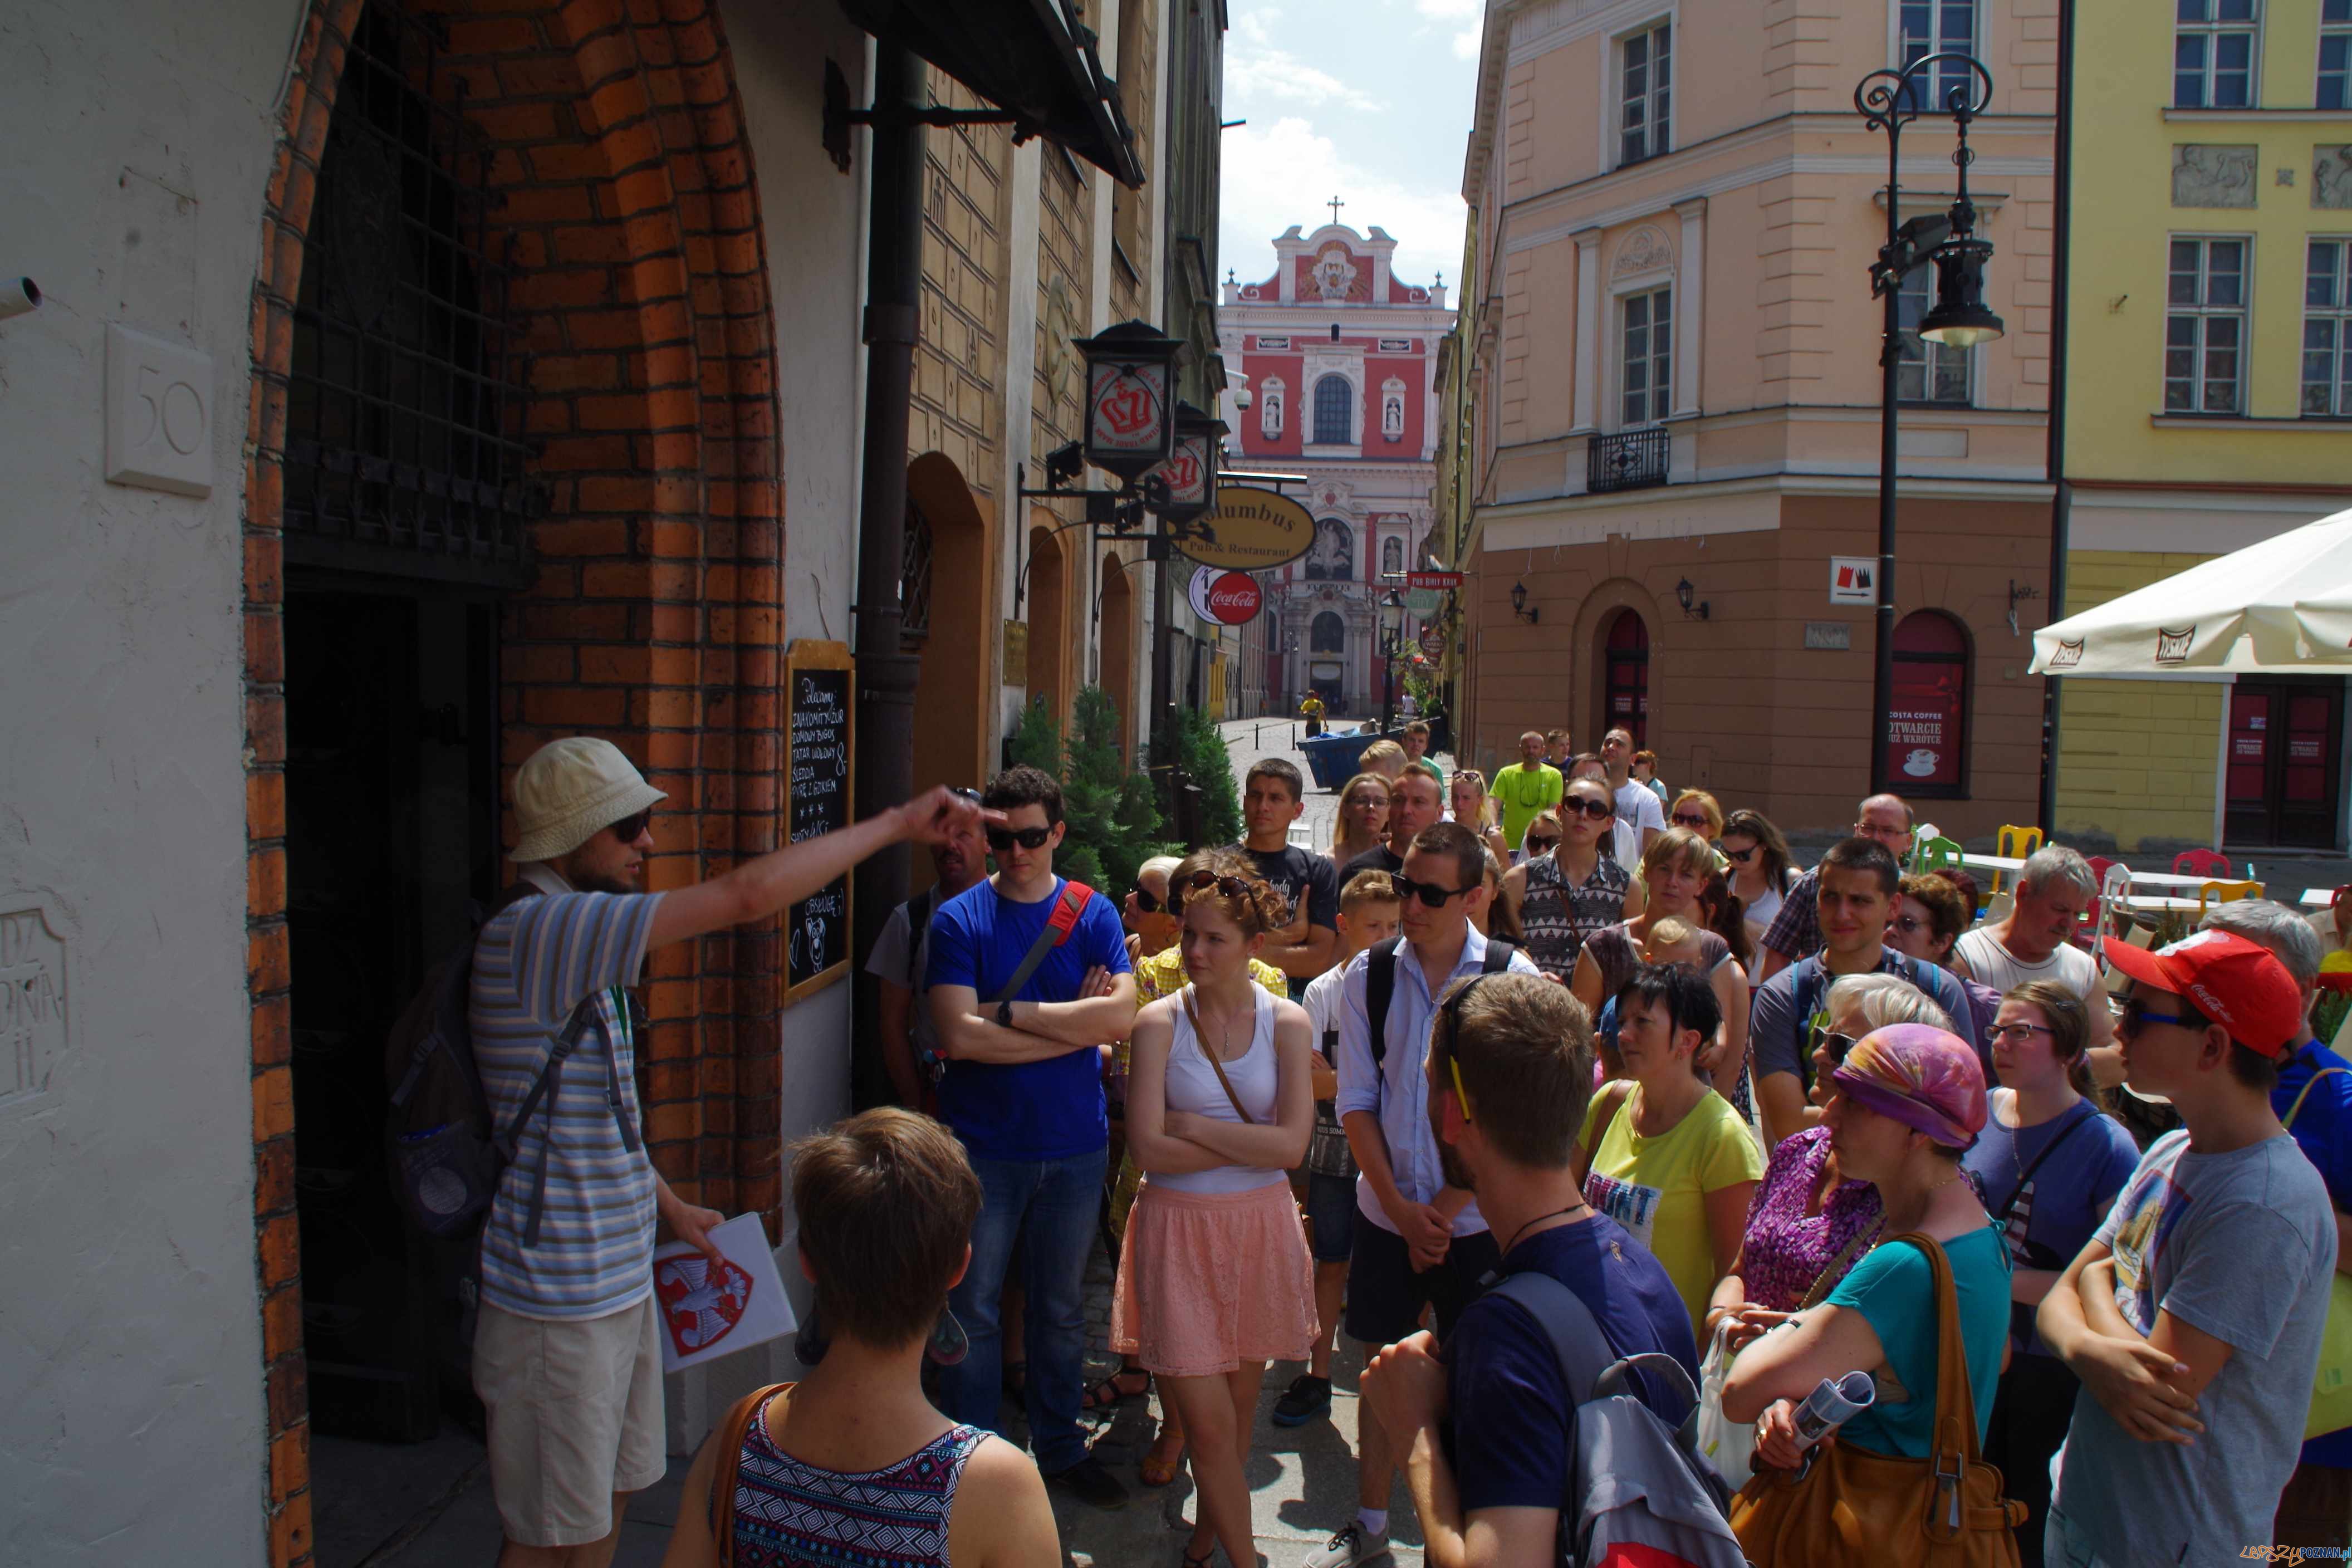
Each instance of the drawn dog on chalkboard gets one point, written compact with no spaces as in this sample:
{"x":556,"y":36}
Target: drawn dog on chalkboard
{"x":808,"y":944}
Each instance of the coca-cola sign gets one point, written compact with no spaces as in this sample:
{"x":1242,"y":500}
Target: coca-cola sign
{"x":1232,"y":598}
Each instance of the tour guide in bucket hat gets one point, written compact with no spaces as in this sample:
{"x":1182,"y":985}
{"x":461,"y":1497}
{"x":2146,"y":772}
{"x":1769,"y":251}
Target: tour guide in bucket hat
{"x":2237,"y":983}
{"x":1925,"y":1078}
{"x":570,"y":789}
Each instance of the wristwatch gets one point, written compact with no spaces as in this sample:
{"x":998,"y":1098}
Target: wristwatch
{"x":1005,"y":1014}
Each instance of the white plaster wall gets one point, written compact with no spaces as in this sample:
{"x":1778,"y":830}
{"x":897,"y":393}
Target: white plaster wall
{"x":131,"y":1392}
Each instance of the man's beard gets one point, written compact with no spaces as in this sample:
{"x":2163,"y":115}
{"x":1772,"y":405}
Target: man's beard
{"x":1458,"y":1173}
{"x":592,"y":884}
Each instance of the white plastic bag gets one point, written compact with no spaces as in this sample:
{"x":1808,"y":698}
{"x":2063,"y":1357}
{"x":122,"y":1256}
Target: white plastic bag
{"x":1729,"y":1445}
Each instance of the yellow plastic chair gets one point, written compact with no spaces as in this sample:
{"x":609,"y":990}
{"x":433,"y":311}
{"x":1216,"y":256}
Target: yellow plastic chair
{"x":2014,"y":843}
{"x":2225,"y":893}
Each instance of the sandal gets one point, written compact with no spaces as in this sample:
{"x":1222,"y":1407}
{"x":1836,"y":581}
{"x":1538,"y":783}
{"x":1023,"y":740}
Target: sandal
{"x":1108,"y":1394}
{"x":1153,"y":1471}
{"x":1203,"y":1561}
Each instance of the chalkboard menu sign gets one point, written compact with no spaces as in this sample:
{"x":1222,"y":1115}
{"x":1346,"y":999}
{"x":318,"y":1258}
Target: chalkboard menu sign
{"x":817,"y":681}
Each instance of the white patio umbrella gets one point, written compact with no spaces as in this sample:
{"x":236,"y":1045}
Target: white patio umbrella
{"x":2283,"y":605}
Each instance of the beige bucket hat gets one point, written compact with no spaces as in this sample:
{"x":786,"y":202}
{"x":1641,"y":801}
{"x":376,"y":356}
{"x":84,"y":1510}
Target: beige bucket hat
{"x":571,"y":789}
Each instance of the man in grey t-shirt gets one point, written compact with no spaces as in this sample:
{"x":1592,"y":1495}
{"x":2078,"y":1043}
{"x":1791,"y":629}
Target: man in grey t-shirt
{"x":2194,"y":1315}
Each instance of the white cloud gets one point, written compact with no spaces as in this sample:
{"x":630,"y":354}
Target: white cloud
{"x":1449,"y":10}
{"x":1465,"y":45}
{"x":1263,"y":74}
{"x":1280,"y":175}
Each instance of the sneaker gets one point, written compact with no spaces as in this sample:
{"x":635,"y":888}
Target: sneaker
{"x":1352,"y":1545}
{"x":1308,"y":1398}
{"x":1090,"y":1483}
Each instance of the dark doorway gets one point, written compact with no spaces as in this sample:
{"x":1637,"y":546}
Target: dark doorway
{"x":2286,"y":744}
{"x":1625,"y":677}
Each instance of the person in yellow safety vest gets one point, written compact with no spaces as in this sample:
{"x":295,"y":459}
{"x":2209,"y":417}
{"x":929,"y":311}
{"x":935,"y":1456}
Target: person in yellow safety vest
{"x":1311,"y":708}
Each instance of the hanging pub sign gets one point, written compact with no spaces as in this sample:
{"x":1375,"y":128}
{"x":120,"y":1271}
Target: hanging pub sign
{"x":1228,"y":598}
{"x":1250,"y":530}
{"x":1923,"y":729}
{"x":1130,"y":398}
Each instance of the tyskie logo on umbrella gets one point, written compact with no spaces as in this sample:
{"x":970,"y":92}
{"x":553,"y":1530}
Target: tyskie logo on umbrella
{"x":2171,"y":647}
{"x":2068,"y":655}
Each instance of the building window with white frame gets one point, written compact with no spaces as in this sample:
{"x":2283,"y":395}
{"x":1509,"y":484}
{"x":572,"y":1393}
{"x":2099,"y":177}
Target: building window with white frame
{"x":2205,"y":327}
{"x":1934,"y":26}
{"x":1645,"y":367}
{"x":2213,"y":53}
{"x":1927,"y":371}
{"x":1647,"y":97}
{"x":2328,"y":330}
{"x":1335,"y":424}
{"x":2334,"y":55}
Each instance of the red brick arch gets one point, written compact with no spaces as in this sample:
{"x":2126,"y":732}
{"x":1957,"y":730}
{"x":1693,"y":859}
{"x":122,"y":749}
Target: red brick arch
{"x":615,"y":136}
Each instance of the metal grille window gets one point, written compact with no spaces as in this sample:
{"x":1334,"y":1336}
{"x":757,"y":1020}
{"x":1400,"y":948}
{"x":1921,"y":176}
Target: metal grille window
{"x":2205,"y":327}
{"x":2213,"y":54}
{"x":2328,"y":330}
{"x":405,"y":407}
{"x":1648,"y":94}
{"x":1647,"y":366}
{"x":1928,"y":26}
{"x":915,"y":581}
{"x":2334,"y":55}
{"x":1927,"y":371}
{"x":1333,"y":423}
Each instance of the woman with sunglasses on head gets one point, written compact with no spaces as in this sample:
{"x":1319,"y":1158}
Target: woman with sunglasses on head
{"x":1930,"y":913}
{"x":1214,"y":1278}
{"x":1661,"y":1152}
{"x":1473,"y":809}
{"x":1150,"y":924}
{"x":1674,"y":869}
{"x":2051,"y":1164}
{"x":1761,"y":870}
{"x":1363,"y":824}
{"x":1570,"y":885}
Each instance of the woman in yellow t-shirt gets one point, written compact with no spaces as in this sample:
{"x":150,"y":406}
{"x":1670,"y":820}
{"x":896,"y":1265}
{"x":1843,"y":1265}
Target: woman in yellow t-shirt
{"x":1664,"y":1155}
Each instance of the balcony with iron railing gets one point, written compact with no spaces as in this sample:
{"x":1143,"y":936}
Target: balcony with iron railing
{"x":1628,"y":460}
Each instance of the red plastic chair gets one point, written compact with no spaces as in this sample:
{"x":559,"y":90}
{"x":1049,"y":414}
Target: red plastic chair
{"x":2202,"y":863}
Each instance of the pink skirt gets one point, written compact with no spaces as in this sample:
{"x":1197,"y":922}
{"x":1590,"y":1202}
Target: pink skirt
{"x":1209,"y":1280}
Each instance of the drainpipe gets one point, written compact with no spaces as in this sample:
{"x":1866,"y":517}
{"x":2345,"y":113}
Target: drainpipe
{"x":885,"y":676}
{"x":2062,"y":499}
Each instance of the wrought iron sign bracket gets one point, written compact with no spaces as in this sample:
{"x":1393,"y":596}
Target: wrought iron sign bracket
{"x":839,"y":117}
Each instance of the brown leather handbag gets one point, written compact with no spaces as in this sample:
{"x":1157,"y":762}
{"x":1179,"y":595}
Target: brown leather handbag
{"x":728,"y":1468}
{"x":1858,"y":1508}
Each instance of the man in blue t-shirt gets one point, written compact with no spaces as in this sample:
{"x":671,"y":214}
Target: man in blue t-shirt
{"x":2313,"y":1098}
{"x":1488,"y":1432}
{"x":1858,"y":883}
{"x":1024,"y":1091}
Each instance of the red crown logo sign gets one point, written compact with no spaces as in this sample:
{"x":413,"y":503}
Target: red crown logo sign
{"x":702,"y":1302}
{"x":1127,"y":410}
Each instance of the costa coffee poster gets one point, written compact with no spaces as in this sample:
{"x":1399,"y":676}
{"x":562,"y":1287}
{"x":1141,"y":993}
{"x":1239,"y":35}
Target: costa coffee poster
{"x":1923,"y":730}
{"x":710,"y":1309}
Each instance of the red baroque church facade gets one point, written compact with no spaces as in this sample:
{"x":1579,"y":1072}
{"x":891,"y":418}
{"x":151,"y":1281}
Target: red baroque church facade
{"x":1338,"y":355}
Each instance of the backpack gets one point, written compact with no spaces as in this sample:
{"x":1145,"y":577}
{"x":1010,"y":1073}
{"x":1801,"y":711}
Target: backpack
{"x":1638,"y":1491}
{"x":443,"y":1153}
{"x":1380,"y":987}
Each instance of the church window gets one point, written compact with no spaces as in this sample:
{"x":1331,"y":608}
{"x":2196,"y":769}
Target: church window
{"x":1334,"y":423}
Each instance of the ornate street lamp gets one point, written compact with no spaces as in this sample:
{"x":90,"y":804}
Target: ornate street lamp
{"x":1519,"y":604}
{"x":1130,"y":421}
{"x":1889,"y":100}
{"x":1391,"y":640}
{"x":1185,"y":487}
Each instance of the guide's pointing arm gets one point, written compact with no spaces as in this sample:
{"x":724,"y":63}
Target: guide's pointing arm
{"x":760,"y":887}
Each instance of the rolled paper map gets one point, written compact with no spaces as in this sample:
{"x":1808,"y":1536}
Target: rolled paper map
{"x":1835,"y":1402}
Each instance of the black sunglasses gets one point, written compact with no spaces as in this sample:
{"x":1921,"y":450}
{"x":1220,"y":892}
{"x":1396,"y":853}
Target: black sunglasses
{"x":1229,"y":887}
{"x":1598,"y":810}
{"x":1695,"y":819}
{"x":629,"y":829}
{"x":1003,"y":838}
{"x":1839,"y":1044}
{"x":1146,"y":900}
{"x":1430,"y":893}
{"x":1540,"y":842}
{"x":1740,"y":857}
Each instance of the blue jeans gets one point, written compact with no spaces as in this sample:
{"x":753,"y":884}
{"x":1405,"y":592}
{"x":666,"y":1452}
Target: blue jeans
{"x":1055,"y":1204}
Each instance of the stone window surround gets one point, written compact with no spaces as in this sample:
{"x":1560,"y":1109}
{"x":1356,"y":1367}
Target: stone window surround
{"x":1611,"y":96}
{"x":2211,"y":31}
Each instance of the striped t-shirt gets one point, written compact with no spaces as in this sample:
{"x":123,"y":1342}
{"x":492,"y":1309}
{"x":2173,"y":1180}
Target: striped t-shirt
{"x":533,"y":962}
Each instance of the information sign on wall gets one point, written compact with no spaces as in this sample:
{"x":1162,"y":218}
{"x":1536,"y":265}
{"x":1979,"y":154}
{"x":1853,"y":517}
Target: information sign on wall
{"x":1923,"y":731}
{"x":818,"y":680}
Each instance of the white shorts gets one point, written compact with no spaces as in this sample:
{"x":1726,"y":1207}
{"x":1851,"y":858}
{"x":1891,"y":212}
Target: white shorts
{"x":575,"y":1416}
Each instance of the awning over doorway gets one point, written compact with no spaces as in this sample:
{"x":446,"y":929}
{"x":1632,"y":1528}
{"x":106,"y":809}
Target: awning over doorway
{"x":1029,"y":58}
{"x":2284,"y":604}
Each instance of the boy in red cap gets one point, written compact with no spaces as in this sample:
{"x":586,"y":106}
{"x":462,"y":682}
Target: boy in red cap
{"x":2194,"y":1315}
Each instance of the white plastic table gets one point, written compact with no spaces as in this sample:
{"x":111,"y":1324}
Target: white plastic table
{"x":1992,"y":863}
{"x":2318,"y":897}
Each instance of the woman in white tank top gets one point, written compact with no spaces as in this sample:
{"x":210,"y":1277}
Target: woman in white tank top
{"x":1214,"y":1276}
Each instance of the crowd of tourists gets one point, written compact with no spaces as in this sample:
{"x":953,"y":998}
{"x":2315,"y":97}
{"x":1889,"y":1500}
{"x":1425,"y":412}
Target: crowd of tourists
{"x":1527,"y":1076}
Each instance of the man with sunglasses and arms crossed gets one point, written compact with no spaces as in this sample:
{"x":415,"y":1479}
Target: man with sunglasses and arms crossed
{"x":1029,"y":979}
{"x":567,"y":1355}
{"x":1422,"y":1241}
{"x":1858,"y":880}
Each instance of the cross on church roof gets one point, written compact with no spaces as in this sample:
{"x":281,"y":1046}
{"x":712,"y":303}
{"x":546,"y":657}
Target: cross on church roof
{"x":1335,"y":204}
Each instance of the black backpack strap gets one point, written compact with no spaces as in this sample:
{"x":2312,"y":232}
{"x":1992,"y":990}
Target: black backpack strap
{"x":548,"y":1085}
{"x":1379,"y":987}
{"x":1499,"y":957}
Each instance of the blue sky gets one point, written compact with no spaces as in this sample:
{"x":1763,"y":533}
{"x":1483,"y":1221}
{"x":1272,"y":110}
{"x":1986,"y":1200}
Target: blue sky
{"x":1367,"y":99}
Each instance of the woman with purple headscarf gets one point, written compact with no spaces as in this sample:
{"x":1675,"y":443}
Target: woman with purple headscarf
{"x":1906,"y":1103}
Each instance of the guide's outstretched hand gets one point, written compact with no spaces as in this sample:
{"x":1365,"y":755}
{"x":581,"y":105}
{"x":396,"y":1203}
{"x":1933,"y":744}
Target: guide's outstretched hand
{"x":933,"y":817}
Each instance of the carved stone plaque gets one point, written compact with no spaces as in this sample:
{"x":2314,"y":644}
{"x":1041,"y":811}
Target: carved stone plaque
{"x":2209,"y":175}
{"x":32,"y":1001}
{"x":2331,"y":178}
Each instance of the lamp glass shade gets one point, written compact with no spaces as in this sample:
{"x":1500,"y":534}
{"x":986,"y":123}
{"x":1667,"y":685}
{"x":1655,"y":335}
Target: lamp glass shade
{"x":1518,"y":596}
{"x":1189,"y":474}
{"x":1130,"y":419}
{"x":1960,"y":320}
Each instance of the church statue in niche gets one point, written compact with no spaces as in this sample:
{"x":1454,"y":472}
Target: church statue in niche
{"x":1392,"y":409}
{"x":1269,"y":408}
{"x":1331,"y":556}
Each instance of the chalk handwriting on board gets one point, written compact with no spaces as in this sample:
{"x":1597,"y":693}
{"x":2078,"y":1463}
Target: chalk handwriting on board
{"x":817,"y":929}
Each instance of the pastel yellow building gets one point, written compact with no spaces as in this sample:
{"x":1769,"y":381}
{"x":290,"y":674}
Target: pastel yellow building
{"x":2208,"y":400}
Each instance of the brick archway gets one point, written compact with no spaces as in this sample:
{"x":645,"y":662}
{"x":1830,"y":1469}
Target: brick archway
{"x":656,"y":617}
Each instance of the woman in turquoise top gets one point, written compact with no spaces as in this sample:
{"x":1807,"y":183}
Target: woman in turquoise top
{"x":1908,"y":1101}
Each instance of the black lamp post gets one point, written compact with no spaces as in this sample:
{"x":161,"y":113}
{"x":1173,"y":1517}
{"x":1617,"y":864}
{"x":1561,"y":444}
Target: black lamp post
{"x":1392,"y":639}
{"x":1889,"y":100}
